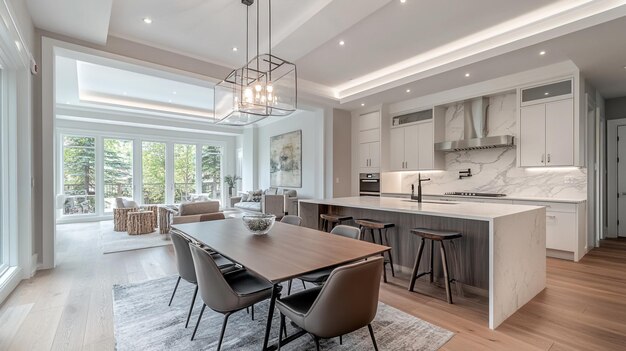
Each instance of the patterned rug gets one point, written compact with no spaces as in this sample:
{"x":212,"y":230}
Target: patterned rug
{"x":143,"y":321}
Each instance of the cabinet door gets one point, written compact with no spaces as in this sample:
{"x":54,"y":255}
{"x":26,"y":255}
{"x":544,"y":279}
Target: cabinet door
{"x":561,"y":231}
{"x":396,"y":146}
{"x":532,"y":139}
{"x":411,"y":147}
{"x":364,"y":155}
{"x":375,"y":154}
{"x":369,"y":121}
{"x":426,"y":148}
{"x":560,"y":133}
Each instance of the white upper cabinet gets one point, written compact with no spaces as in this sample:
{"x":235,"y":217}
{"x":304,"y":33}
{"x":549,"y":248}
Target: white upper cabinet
{"x":412,"y":147}
{"x":546,"y":126}
{"x":369,"y":142}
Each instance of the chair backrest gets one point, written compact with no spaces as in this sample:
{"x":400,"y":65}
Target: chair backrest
{"x":348,"y":301}
{"x":291,"y":219}
{"x":184,"y":261}
{"x":347,"y":231}
{"x":214,"y":289}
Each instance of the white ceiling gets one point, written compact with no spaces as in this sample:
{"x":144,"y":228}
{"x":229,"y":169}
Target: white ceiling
{"x":424,"y":45}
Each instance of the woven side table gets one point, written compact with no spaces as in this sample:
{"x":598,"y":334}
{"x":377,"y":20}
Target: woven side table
{"x":140,"y":222}
{"x":120,"y":215}
{"x":165,"y":218}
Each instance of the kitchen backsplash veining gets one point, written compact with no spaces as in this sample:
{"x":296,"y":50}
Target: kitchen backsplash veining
{"x":493,"y":170}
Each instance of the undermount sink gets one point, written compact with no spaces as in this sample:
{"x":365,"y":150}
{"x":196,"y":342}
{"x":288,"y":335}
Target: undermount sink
{"x":433,"y":202}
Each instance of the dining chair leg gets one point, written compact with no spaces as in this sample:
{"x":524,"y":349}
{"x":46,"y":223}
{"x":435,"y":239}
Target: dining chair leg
{"x":219,"y":343}
{"x":193,"y":301}
{"x":281,"y":329}
{"x":270,"y":314}
{"x":369,"y":326}
{"x":252,"y":309}
{"x":303,"y":285}
{"x":340,"y":339}
{"x":317,"y":342}
{"x":175,"y":287}
{"x":289,"y":287}
{"x":198,"y":323}
{"x":417,"y":265}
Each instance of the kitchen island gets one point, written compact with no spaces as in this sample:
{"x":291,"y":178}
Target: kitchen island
{"x":503,"y":249}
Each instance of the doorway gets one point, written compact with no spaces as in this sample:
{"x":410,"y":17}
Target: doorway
{"x":621,"y":181}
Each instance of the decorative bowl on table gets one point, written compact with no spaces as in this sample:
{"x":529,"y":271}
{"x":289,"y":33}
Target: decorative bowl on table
{"x":259,"y":224}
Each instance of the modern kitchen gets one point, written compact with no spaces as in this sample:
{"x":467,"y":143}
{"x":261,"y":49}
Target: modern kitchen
{"x":501,"y":163}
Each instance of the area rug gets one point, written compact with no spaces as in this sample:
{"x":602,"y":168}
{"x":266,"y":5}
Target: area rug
{"x":144,"y":321}
{"x":111,"y":241}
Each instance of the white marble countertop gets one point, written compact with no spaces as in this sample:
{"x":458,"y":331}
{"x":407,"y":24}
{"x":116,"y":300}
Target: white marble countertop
{"x":463,"y":210}
{"x":514,"y":198}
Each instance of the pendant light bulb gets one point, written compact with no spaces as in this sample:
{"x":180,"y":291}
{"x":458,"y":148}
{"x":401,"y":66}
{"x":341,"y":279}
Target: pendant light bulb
{"x":258,"y":87}
{"x":270,"y":88}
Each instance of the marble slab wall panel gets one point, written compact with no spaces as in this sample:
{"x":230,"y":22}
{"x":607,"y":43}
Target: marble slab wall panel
{"x":495,"y":170}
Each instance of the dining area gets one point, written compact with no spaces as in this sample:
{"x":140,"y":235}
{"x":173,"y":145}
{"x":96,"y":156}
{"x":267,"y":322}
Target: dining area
{"x":291,"y":288}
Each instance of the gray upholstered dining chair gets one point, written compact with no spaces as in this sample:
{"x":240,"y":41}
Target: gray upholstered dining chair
{"x":291,"y":219}
{"x":319,"y":277}
{"x":347,"y":302}
{"x":186,"y":271}
{"x":225,"y":293}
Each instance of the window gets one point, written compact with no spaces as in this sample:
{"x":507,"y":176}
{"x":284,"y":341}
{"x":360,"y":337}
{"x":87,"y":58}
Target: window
{"x":4,"y":235}
{"x":153,"y":171}
{"x":212,"y":171}
{"x":118,"y":171}
{"x":79,"y":175}
{"x":184,"y":171}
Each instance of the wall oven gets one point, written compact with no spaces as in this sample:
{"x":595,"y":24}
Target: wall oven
{"x":369,"y":184}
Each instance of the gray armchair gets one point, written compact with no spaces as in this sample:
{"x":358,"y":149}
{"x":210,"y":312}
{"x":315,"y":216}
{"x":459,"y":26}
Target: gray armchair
{"x":225,"y":293}
{"x":347,"y":302}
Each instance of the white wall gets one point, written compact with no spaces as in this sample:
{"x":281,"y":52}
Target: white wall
{"x":313,"y":162}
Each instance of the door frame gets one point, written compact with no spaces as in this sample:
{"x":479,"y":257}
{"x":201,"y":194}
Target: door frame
{"x":611,"y":164}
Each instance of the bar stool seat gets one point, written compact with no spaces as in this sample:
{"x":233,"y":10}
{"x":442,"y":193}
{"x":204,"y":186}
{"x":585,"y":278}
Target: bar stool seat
{"x":374,"y":225}
{"x":332,"y":220}
{"x":439,"y":236}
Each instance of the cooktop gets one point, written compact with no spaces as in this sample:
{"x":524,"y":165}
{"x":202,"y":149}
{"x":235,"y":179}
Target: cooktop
{"x":463,"y":193}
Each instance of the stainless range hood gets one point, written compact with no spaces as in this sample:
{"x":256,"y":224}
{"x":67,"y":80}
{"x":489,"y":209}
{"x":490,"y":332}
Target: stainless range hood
{"x":475,"y":131}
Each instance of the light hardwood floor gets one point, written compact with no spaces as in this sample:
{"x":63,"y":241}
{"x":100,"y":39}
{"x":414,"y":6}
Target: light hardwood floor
{"x":70,"y":307}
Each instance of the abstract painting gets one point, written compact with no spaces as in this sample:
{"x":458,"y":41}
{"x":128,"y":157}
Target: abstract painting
{"x":286,"y":160}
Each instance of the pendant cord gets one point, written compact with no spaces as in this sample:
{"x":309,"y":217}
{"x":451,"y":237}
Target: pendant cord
{"x":257,"y":41}
{"x":270,"y":35}
{"x":247,"y":45}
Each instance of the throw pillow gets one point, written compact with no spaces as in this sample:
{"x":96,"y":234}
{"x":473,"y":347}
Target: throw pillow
{"x":244,"y":197}
{"x":255,"y":196}
{"x":271,"y":191}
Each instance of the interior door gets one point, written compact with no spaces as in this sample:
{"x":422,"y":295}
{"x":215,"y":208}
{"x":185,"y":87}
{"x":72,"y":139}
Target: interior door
{"x":621,"y":181}
{"x":532,"y":142}
{"x":560,"y":133}
{"x":396,"y":146}
{"x":411,"y":147}
{"x":426,"y":147}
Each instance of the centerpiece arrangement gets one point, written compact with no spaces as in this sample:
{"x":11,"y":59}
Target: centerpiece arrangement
{"x":259,"y":224}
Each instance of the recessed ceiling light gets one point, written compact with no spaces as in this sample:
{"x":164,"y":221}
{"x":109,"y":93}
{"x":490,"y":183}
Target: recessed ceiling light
{"x":362,"y":104}
{"x":542,"y":53}
{"x":147,"y":20}
{"x":408,"y":90}
{"x":403,"y":1}
{"x":342,"y":43}
{"x":467,"y":74}
{"x":174,"y":92}
{"x":234,"y":48}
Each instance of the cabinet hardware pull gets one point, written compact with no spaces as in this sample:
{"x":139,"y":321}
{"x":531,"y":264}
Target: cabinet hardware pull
{"x":543,"y":156}
{"x":551,"y":217}
{"x":548,"y":158}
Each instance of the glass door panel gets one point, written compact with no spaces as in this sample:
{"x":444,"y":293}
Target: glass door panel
{"x":79,"y":175}
{"x":153,"y":172}
{"x":184,"y":171}
{"x":118,"y":171}
{"x":212,"y":171}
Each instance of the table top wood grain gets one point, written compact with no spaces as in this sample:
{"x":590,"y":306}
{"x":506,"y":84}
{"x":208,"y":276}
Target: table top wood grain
{"x":287,"y":252}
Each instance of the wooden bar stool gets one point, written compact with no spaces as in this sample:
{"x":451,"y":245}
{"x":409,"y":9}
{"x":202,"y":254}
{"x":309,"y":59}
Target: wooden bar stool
{"x":332,"y":220}
{"x":439,"y":236}
{"x":377,"y":226}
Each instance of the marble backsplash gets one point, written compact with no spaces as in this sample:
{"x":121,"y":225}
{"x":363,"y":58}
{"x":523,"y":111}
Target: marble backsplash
{"x":494,"y":170}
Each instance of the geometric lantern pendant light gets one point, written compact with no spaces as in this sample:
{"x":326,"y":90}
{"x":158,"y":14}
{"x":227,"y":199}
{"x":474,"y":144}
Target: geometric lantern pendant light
{"x":265,"y":86}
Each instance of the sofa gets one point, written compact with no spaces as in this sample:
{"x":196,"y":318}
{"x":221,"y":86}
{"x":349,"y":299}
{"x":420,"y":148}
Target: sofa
{"x":200,"y":211}
{"x":278,"y":202}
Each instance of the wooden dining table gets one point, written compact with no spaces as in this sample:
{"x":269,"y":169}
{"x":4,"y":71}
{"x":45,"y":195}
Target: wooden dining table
{"x":286,"y":252}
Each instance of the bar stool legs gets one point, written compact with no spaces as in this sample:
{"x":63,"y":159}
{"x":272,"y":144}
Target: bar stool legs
{"x":444,"y":262}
